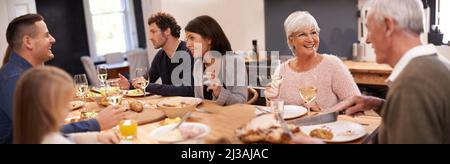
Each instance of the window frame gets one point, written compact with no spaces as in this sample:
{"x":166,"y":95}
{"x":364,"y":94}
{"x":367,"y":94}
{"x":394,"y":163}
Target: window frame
{"x":440,"y":17}
{"x":131,"y":38}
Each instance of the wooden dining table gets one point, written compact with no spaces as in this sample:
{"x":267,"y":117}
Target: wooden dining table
{"x":225,"y":120}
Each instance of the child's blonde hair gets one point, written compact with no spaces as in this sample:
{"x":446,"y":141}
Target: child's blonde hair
{"x":41,"y":96}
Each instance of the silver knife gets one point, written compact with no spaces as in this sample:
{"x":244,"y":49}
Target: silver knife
{"x":319,"y":119}
{"x":262,"y":110}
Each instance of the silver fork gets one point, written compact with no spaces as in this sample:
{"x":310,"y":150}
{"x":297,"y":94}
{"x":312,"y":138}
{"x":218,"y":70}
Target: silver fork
{"x":185,"y":117}
{"x":286,"y":132}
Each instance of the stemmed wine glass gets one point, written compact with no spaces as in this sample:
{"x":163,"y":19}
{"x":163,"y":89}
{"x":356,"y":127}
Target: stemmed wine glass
{"x":308,"y":95}
{"x":82,"y":88}
{"x":81,"y":85}
{"x":143,"y":79}
{"x":113,"y":92}
{"x":276,"y":78}
{"x":102,"y":74}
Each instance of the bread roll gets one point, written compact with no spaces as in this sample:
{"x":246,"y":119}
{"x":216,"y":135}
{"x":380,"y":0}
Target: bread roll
{"x":136,"y":106}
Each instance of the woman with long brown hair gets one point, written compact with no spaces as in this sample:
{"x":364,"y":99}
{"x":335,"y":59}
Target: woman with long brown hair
{"x":224,"y":71}
{"x":41,"y":103}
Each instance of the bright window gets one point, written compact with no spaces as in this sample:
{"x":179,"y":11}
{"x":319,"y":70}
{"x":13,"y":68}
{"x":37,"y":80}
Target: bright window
{"x":445,"y":19}
{"x":111,"y":27}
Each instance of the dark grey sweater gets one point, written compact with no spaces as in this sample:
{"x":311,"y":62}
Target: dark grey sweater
{"x":163,"y":67}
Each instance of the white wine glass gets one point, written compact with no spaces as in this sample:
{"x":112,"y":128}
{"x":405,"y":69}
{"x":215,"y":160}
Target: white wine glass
{"x":102,"y":74}
{"x":277,"y":108}
{"x":81,"y":85}
{"x":113,"y":92}
{"x":82,"y":88}
{"x":275,"y":63}
{"x":276,"y":78}
{"x":308,"y":95}
{"x":143,"y":79}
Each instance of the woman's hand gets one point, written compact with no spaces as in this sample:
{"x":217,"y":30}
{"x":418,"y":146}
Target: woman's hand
{"x":108,"y":138}
{"x":271,"y":91}
{"x":313,"y":106}
{"x":211,"y":81}
{"x":215,"y":88}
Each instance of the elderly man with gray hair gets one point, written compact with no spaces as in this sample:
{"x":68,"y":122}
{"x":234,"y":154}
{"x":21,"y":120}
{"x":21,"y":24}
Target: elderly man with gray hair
{"x":417,"y":107}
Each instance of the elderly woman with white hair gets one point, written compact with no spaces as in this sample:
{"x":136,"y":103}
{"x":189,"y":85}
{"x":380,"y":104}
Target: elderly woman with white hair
{"x":324,"y":74}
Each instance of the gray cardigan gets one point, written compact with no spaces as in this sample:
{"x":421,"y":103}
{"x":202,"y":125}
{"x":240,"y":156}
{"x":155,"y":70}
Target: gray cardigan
{"x":236,"y":91}
{"x":417,"y":108}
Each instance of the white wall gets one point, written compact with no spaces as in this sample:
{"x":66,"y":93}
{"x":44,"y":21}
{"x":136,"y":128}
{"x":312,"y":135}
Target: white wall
{"x":9,"y":9}
{"x":444,"y":51}
{"x":242,"y":21}
{"x":3,"y":25}
{"x":369,"y":52}
{"x":148,"y":8}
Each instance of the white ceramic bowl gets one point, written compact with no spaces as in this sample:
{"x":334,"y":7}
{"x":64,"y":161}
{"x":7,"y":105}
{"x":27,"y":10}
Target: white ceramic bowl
{"x":174,"y":112}
{"x":166,"y":135}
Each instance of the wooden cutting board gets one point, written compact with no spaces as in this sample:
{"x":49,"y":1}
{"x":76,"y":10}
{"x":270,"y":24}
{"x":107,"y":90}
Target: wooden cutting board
{"x":147,"y":116}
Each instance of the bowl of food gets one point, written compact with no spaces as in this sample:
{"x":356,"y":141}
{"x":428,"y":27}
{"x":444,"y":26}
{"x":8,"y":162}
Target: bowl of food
{"x":105,"y":90}
{"x":101,"y":100}
{"x":87,"y":115}
{"x":74,"y":105}
{"x":72,"y":119}
{"x":187,"y":133}
{"x":178,"y":106}
{"x":169,"y":121}
{"x":136,"y":93}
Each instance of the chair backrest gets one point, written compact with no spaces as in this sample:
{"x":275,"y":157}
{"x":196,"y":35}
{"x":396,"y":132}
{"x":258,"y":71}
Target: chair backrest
{"x":252,"y":96}
{"x":91,"y":71}
{"x":114,"y":58}
{"x":137,"y":59}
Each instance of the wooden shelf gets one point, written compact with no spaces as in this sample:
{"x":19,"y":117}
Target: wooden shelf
{"x":368,"y":73}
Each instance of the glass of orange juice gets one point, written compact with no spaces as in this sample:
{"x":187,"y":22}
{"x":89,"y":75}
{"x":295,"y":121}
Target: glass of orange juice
{"x":128,"y":129}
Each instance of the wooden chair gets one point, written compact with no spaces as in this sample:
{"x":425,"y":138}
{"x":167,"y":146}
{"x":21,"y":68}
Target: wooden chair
{"x":252,"y":96}
{"x":91,"y":71}
{"x":137,"y":59}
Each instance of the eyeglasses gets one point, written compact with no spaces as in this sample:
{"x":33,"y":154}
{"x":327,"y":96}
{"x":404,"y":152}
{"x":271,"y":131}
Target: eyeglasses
{"x":305,"y":35}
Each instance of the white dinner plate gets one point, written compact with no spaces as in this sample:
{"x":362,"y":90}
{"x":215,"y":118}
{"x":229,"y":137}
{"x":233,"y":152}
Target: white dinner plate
{"x":136,"y":93}
{"x":290,"y":111}
{"x":190,"y":100}
{"x":343,"y":131}
{"x":166,"y":134}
